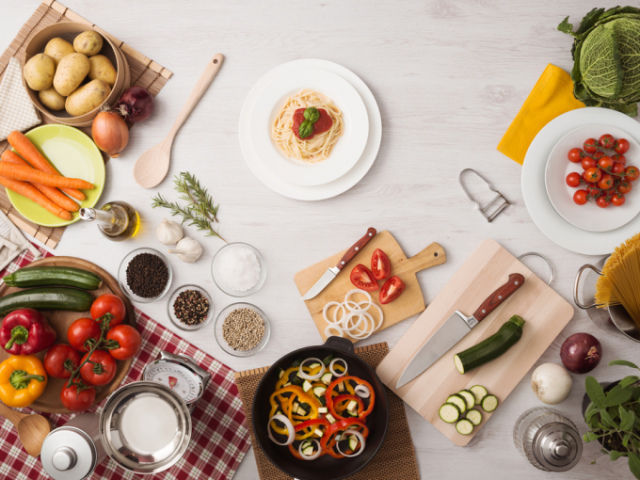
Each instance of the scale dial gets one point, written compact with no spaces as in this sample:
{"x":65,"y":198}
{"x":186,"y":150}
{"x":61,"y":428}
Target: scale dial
{"x":177,"y":377}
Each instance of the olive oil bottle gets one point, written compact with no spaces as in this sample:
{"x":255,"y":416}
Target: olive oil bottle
{"x":117,"y":220}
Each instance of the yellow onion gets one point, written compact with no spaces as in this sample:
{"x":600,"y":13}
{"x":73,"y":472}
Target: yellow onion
{"x":110,"y":133}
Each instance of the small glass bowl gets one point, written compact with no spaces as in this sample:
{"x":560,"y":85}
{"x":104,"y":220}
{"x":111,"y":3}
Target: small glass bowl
{"x":122,"y":275}
{"x":220,"y":284}
{"x":176,"y":321}
{"x":220,"y":337}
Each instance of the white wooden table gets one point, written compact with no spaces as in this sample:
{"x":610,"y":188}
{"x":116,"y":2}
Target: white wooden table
{"x":449,"y":76}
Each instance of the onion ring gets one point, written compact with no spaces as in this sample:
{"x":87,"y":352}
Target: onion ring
{"x":313,"y":456}
{"x":333,"y":362}
{"x":381,"y":316}
{"x":355,"y":433}
{"x":306,"y":376}
{"x":358,"y":290}
{"x":362,"y":391}
{"x":287,"y":423}
{"x":355,"y":319}
{"x":335,"y":328}
{"x":326,"y":308}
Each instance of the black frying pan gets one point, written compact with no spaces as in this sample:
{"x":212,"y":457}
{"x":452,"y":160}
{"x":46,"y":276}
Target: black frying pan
{"x":325,"y":467}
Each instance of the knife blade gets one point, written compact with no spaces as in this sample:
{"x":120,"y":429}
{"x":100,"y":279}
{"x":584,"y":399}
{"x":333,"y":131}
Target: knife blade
{"x":331,"y":273}
{"x":454,"y":329}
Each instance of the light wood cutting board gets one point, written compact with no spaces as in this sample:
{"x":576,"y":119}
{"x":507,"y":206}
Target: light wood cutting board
{"x":545,"y":314}
{"x":410,"y":303}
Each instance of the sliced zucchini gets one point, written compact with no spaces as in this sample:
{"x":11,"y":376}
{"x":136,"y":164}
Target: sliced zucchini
{"x":449,"y":413}
{"x":314,"y":365}
{"x":326,"y":378}
{"x":458,"y":401}
{"x":306,"y":444}
{"x":351,"y":408}
{"x":329,"y":418}
{"x":318,"y":432}
{"x":323,"y":410}
{"x":306,"y":386}
{"x":474,"y":416}
{"x":353,"y":442}
{"x":327,"y":360}
{"x":308,"y":451}
{"x":296,"y":363}
{"x":464,"y":426}
{"x":341,"y":387}
{"x":489,"y":403}
{"x":287,"y":384}
{"x":479,"y":392}
{"x":280,"y":372}
{"x":319,"y":391}
{"x":469,"y":398}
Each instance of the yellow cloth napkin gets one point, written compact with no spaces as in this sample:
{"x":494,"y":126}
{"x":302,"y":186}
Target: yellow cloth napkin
{"x":551,"y":97}
{"x":16,"y":109}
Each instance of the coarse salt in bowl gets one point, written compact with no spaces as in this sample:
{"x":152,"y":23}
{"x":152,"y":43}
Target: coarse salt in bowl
{"x":238,"y":269}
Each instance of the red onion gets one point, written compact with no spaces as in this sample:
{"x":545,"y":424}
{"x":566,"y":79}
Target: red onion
{"x":581,"y":353}
{"x":135,"y":104}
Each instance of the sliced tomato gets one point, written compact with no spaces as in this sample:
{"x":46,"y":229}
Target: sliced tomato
{"x":362,"y":278}
{"x":380,"y":265}
{"x":391,"y":290}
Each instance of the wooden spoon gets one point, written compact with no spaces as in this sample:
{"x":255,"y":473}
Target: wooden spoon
{"x":32,"y":428}
{"x":153,"y":165}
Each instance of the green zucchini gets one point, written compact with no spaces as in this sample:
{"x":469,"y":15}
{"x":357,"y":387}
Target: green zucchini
{"x":489,"y":403}
{"x":492,"y":347}
{"x":47,"y":298}
{"x":468,"y":397}
{"x":50,"y":276}
{"x":464,"y":426}
{"x":479,"y":392}
{"x":458,"y":401}
{"x":474,"y":416}
{"x":449,"y":413}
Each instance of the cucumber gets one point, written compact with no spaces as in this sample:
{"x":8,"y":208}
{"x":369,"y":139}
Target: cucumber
{"x":449,"y":413}
{"x":306,"y":386}
{"x":326,"y":378}
{"x":489,"y":403}
{"x":468,"y":397}
{"x":474,"y":416}
{"x":353,"y":442}
{"x":479,"y":392}
{"x":458,"y":401}
{"x":47,"y":298}
{"x":50,"y":276}
{"x":492,"y":347}
{"x":464,"y":426}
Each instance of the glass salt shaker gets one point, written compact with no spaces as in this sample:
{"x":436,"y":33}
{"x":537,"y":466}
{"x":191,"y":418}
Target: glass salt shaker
{"x":549,"y":440}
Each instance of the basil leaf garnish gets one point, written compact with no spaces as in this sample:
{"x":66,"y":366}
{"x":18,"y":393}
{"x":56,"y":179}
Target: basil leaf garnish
{"x":306,"y":129}
{"x":311,"y":114}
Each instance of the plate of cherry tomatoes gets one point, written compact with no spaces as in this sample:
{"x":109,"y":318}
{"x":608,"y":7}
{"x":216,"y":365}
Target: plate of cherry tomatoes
{"x":590,"y":177}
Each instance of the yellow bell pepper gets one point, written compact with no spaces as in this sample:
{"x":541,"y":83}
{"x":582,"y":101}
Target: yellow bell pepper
{"x":22,"y":380}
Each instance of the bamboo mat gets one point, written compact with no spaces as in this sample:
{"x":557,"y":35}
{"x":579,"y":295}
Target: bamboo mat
{"x":144,"y":73}
{"x":396,"y":458}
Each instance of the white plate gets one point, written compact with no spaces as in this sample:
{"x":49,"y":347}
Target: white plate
{"x":588,"y":217}
{"x":317,"y":192}
{"x":534,"y":192}
{"x":347,"y":150}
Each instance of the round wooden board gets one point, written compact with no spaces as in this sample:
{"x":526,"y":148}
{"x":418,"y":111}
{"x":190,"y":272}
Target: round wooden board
{"x":60,"y":320}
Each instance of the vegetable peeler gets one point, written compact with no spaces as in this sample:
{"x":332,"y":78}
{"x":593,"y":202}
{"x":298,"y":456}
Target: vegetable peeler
{"x":492,"y":209}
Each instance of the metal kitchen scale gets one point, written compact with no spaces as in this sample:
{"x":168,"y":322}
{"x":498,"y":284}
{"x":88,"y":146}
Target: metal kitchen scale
{"x":179,"y":373}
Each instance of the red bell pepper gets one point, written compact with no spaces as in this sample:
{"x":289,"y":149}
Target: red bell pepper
{"x":330,"y":399}
{"x":328,"y":441}
{"x":26,"y":332}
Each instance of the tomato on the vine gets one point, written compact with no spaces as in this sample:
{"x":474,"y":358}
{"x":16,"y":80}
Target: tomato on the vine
{"x":617,"y":168}
{"x":624,"y":187}
{"x":618,"y":199}
{"x":591,"y":145}
{"x":109,"y":303}
{"x":592,"y":175}
{"x":607,"y":141}
{"x":587,"y":163}
{"x":580,"y":197}
{"x":575,"y":155}
{"x":60,"y":360}
{"x":605,"y":163}
{"x":128,"y":340}
{"x":602,"y":201}
{"x":573,"y":179}
{"x":631,"y":174}
{"x":76,"y":399}
{"x":619,"y":158}
{"x":606,"y":182}
{"x":622,"y":145}
{"x":82,"y":330}
{"x":598,"y":155}
{"x":99,"y":369}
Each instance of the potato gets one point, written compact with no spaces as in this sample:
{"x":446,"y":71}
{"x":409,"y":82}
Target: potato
{"x":102,"y":69}
{"x":88,"y":42}
{"x":87,"y":97}
{"x":70,"y":73}
{"x":57,"y":48}
{"x":38,"y":72}
{"x":51,"y":99}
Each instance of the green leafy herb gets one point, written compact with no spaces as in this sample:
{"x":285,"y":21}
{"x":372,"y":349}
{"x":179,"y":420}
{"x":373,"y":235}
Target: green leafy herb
{"x":311,"y":116}
{"x":306,"y":129}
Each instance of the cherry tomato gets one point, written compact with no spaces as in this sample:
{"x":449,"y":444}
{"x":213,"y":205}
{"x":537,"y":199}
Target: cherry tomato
{"x":575,"y":155}
{"x":109,"y":303}
{"x":593,"y":191}
{"x":99,"y":369}
{"x":60,"y":360}
{"x":624,"y":187}
{"x":587,"y":163}
{"x":391,"y":290}
{"x":622,"y":145}
{"x":618,"y":199}
{"x":606,"y":182}
{"x":573,"y":179}
{"x":580,"y":197}
{"x":602,"y":201}
{"x":592,"y":175}
{"x":605,"y":163}
{"x":591,"y":145}
{"x":128,"y":340}
{"x":617,"y":168}
{"x":631,"y":174}
{"x":362,"y":278}
{"x":75,"y":400}
{"x":607,"y":141}
{"x":380,"y":265}
{"x":619,"y":158}
{"x":82,"y":330}
{"x":598,"y":155}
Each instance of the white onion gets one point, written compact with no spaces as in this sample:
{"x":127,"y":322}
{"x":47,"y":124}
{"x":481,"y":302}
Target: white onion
{"x":551,"y":383}
{"x":380,"y":315}
{"x":313,"y":456}
{"x":306,"y":376}
{"x":355,"y":291}
{"x":333,"y":362}
{"x":355,"y":433}
{"x":355,"y":319}
{"x":335,"y":328}
{"x":287,"y":423}
{"x":326,"y":308}
{"x":362,"y":391}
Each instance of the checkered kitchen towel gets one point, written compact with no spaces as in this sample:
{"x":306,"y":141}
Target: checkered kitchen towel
{"x":16,"y":109}
{"x":219,"y":438}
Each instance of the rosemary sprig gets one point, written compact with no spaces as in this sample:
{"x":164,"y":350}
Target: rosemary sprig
{"x":200,"y":210}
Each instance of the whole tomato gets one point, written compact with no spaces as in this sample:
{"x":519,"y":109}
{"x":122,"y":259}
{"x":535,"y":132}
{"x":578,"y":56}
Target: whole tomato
{"x":99,"y":369}
{"x":622,"y":146}
{"x":109,"y":303}
{"x":128,"y":340}
{"x":77,"y":399}
{"x":603,"y":201}
{"x":573,"y":179}
{"x":618,"y":199}
{"x":60,"y":360}
{"x":631,"y":174}
{"x":580,"y":197}
{"x":82,"y":330}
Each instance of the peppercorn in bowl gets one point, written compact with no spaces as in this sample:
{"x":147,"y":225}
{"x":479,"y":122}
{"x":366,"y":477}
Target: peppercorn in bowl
{"x":242,"y":329}
{"x":145,"y":275}
{"x":190,"y":307}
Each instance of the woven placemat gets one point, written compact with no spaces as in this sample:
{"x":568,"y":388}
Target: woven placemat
{"x":144,"y":73}
{"x":396,"y":458}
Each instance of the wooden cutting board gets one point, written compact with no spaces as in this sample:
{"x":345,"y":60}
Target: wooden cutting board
{"x":410,"y":303}
{"x":545,"y":314}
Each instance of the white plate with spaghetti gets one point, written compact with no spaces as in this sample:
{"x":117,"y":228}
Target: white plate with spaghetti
{"x":315,"y":192}
{"x":321,"y":157}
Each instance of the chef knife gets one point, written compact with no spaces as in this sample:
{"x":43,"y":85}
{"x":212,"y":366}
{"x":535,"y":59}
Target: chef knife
{"x":331,"y":273}
{"x":454,"y":329}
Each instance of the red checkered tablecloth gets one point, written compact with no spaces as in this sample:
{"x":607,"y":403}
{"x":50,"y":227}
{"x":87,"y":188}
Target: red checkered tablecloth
{"x":219,"y":438}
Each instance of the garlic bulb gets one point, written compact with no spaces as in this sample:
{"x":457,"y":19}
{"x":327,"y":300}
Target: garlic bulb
{"x":168,"y":232}
{"x":188,"y":250}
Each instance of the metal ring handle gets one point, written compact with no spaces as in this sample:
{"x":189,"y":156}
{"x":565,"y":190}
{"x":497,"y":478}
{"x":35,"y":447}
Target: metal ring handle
{"x":576,"y":300}
{"x":546,"y":260}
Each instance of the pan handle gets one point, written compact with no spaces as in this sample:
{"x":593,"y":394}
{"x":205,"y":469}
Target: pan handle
{"x":339,"y":343}
{"x":577,"y":284}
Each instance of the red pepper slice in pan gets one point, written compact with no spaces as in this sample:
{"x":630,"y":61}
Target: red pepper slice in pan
{"x":330,"y":400}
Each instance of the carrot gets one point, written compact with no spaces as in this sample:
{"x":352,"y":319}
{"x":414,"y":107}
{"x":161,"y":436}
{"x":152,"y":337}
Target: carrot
{"x":52,"y":193}
{"x":31,"y":154}
{"x":28,"y":174}
{"x":27,"y":190}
